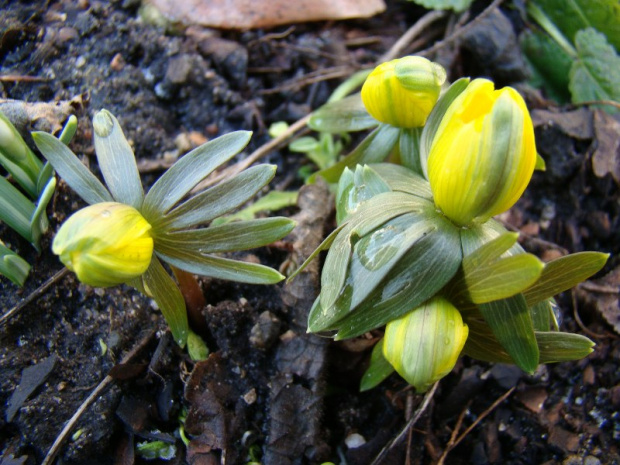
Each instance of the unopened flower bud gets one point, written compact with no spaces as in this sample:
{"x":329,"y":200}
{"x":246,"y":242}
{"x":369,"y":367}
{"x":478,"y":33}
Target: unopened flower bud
{"x":105,"y":244}
{"x":483,"y":153}
{"x":403,"y":92}
{"x":424,"y":344}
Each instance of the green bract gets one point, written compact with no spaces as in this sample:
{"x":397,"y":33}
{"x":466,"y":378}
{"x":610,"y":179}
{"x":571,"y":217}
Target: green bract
{"x":176,"y":222}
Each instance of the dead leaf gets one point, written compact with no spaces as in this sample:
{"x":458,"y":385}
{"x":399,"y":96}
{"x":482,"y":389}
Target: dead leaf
{"x":606,"y":158}
{"x":602,"y":294}
{"x":248,"y":14}
{"x":40,"y":116}
{"x":32,"y":378}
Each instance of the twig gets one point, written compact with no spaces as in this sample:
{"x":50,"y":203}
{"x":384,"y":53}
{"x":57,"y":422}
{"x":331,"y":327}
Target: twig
{"x":453,"y":444}
{"x":22,"y":78}
{"x":593,"y":287}
{"x":413,"y":32}
{"x":254,"y":156}
{"x":459,"y":32}
{"x":51,"y":455}
{"x":598,"y":102}
{"x":34,"y":295}
{"x":418,"y":413}
{"x":311,"y":78}
{"x":577,"y":318}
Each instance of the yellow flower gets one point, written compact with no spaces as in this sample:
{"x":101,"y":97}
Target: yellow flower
{"x":483,"y":153}
{"x":424,"y":344}
{"x":403,"y":92}
{"x":105,"y":244}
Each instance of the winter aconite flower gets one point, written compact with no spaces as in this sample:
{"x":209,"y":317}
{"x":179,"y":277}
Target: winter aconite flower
{"x":424,"y":345}
{"x":483,"y":153}
{"x":105,"y":244}
{"x":403,"y":92}
{"x":125,"y":234}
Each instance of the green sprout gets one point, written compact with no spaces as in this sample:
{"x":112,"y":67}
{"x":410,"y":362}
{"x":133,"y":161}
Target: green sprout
{"x":124,"y":235}
{"x":22,"y":206}
{"x":417,"y":249}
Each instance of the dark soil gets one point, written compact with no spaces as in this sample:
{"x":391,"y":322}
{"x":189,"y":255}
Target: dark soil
{"x":269,"y":391}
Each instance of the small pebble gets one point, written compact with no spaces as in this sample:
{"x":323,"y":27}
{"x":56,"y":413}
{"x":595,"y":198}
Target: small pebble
{"x":354,"y":440}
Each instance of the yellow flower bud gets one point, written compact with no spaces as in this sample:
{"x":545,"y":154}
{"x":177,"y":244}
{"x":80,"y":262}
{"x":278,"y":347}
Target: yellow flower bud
{"x":105,"y":244}
{"x":424,"y":344}
{"x":403,"y":92}
{"x":483,"y":153}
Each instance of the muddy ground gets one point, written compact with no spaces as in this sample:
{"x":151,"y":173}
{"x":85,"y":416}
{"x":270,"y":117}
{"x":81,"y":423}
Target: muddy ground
{"x":269,"y":392}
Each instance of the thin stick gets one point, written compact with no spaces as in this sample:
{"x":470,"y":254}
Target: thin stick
{"x":413,"y":32}
{"x":51,"y":455}
{"x":459,"y":32}
{"x":34,"y":295}
{"x":254,"y":156}
{"x":484,"y":414}
{"x":418,"y":413}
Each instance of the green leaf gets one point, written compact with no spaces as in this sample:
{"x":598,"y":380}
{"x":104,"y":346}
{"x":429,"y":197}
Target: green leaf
{"x":304,"y":144}
{"x":424,"y":269}
{"x":378,"y":370}
{"x":401,"y":179}
{"x":354,"y":188}
{"x":456,"y":5}
{"x":349,"y":85}
{"x":409,"y":147}
{"x":485,"y":276}
{"x":192,"y":168}
{"x":572,"y":16}
{"x":550,"y":64}
{"x":563,"y":273}
{"x":511,"y":323}
{"x":373,"y":149}
{"x":116,"y":160}
{"x":158,"y":284}
{"x":242,"y":235}
{"x":13,"y":266}
{"x":69,"y":168}
{"x":270,"y":202}
{"x":562,"y":347}
{"x":217,"y":267}
{"x":325,"y":245}
{"x":435,"y":117}
{"x":69,"y":130}
{"x":38,"y":221}
{"x":196,"y":347}
{"x":594,"y":76}
{"x":16,"y":209}
{"x":346,"y":115}
{"x":371,"y":214}
{"x":217,"y":200}
{"x":482,"y":344}
{"x":542,"y":315}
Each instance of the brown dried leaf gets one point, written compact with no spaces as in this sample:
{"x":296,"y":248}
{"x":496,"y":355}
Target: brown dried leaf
{"x":247,"y":14}
{"x":606,"y":158}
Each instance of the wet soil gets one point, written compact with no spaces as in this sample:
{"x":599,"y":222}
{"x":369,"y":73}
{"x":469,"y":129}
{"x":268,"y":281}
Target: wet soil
{"x":269,"y":391}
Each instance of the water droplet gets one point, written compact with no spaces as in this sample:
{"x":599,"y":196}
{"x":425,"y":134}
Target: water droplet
{"x":106,"y":213}
{"x":446,"y":341}
{"x":103,"y":123}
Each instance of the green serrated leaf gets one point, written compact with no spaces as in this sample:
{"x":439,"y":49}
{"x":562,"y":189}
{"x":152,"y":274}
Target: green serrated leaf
{"x":511,"y":323}
{"x":456,"y":5}
{"x":378,"y":370}
{"x":69,"y":168}
{"x":563,"y":273}
{"x":158,"y":284}
{"x":373,"y":149}
{"x":435,"y":117}
{"x":572,"y":16}
{"x":594,"y":75}
{"x":218,"y":200}
{"x":192,"y":168}
{"x":549,"y":62}
{"x":346,"y":115}
{"x":117,"y":161}
{"x":562,"y":347}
